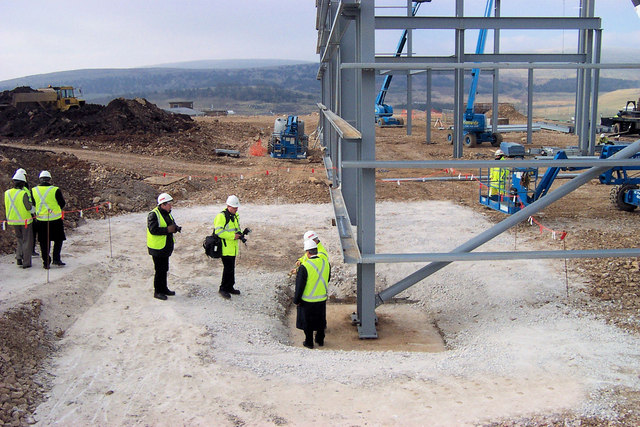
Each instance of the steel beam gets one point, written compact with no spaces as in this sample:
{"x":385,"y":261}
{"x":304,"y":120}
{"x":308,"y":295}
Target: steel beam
{"x":476,"y":23}
{"x":485,"y":57}
{"x":491,"y":66}
{"x":477,"y":164}
{"x":498,"y":256}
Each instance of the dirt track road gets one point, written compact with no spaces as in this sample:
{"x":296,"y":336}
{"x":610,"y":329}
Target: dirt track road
{"x":142,"y":164}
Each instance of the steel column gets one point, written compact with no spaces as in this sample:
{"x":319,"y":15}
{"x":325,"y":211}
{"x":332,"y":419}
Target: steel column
{"x":529,"y":106}
{"x":366,"y":217}
{"x":428,"y":108}
{"x":348,"y":111}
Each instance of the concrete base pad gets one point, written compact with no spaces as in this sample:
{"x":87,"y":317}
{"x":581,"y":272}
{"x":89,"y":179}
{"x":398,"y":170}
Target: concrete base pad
{"x":401,"y":327}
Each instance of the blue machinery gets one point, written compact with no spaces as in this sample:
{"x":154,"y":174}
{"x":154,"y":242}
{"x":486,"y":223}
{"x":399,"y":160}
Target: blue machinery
{"x":475,"y":125}
{"x":516,"y":188}
{"x":288,"y":140}
{"x":384,"y":112}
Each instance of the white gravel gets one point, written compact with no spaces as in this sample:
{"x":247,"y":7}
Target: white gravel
{"x":515,"y":347}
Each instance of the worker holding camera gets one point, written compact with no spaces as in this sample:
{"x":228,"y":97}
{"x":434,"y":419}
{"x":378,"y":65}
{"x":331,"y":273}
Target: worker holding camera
{"x":226,"y":225}
{"x":160,"y":240}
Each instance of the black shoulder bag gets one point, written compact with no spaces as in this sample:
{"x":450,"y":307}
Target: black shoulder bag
{"x":213,"y":244}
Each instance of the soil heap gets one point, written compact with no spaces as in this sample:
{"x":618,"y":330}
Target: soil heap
{"x":131,"y":116}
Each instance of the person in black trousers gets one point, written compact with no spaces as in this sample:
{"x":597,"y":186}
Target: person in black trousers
{"x":161,"y":228}
{"x":49,"y":203}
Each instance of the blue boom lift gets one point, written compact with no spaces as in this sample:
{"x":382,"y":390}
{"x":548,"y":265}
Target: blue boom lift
{"x":384,"y":112}
{"x":475,"y":125}
{"x":519,"y":187}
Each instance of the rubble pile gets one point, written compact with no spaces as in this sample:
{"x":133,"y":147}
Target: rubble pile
{"x":24,"y":346}
{"x":129,"y":116}
{"x":508,"y":111}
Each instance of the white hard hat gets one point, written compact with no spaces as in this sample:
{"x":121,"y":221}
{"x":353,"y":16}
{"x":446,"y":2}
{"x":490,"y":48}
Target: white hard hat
{"x":602,"y":135}
{"x":45,"y":174}
{"x":309,"y":244}
{"x":499,"y":152}
{"x":233,"y":201}
{"x":310,"y":235}
{"x":20,"y":175}
{"x":164,"y":198}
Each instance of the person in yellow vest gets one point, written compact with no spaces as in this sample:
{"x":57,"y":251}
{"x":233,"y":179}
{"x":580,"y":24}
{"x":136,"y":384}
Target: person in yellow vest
{"x":226,"y":225}
{"x":310,"y":295}
{"x":498,"y":177}
{"x":27,"y":187}
{"x":161,"y":228}
{"x":321,"y":250}
{"x":17,"y":208}
{"x":49,"y":204}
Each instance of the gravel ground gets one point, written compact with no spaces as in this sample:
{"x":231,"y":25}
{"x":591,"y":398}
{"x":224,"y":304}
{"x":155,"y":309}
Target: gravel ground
{"x":516,"y":346}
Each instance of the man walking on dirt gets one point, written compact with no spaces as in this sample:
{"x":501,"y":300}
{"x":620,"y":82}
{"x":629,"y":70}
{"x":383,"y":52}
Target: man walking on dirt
{"x":226,"y":225}
{"x":310,"y":295}
{"x":18,"y":211}
{"x":161,"y":228}
{"x":49,"y":204}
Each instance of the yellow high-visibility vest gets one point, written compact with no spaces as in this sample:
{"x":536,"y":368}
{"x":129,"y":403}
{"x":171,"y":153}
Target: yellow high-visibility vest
{"x":47,"y":207}
{"x":227,"y":232}
{"x":155,"y":241}
{"x":315,"y":289}
{"x":16,"y":212}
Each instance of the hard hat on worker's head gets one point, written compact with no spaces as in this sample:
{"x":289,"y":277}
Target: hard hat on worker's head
{"x":233,"y":201}
{"x":499,"y":153}
{"x":20,"y":175}
{"x":310,"y":244}
{"x":45,"y":175}
{"x":164,"y":198}
{"x":310,"y":235}
{"x":602,"y":135}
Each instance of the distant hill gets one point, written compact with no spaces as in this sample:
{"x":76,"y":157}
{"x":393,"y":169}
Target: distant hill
{"x":257,"y":90}
{"x":290,"y":87}
{"x":229,"y":64}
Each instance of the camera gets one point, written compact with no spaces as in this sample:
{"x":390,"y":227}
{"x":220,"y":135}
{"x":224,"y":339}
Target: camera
{"x":242,"y":237}
{"x":178,"y":228}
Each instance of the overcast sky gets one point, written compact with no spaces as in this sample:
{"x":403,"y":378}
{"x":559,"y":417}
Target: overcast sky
{"x":42,"y":36}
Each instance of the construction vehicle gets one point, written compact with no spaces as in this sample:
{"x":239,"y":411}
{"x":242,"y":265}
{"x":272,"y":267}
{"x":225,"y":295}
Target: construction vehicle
{"x":475,"y":125}
{"x":61,"y":98}
{"x":520,"y":187}
{"x":288,"y":140}
{"x":384,"y":112}
{"x":626,"y":122}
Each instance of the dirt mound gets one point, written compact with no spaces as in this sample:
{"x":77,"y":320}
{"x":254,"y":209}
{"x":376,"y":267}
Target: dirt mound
{"x":508,"y":111}
{"x":83,"y":185}
{"x":129,"y":116}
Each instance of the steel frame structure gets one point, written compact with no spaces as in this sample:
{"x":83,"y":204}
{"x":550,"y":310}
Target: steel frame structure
{"x":348,"y":67}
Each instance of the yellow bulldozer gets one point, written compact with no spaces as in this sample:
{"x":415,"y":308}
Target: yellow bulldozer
{"x":58,"y":97}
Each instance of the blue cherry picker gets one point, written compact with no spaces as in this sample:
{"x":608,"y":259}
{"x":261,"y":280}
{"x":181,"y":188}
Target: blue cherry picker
{"x":384,"y":112}
{"x":475,"y":125}
{"x":519,"y":187}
